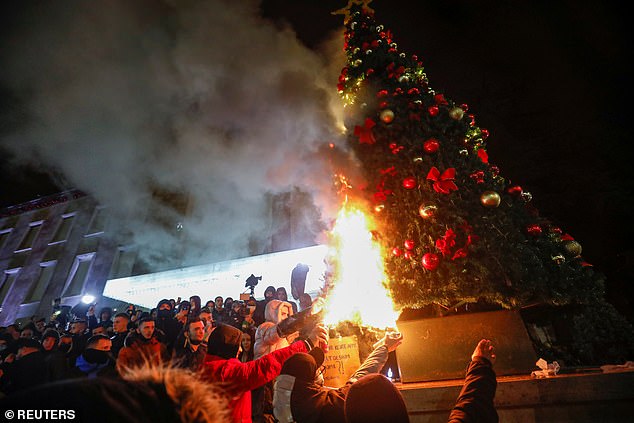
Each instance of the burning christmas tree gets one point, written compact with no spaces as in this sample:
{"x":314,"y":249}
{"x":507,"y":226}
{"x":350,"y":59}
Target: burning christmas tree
{"x":455,"y":229}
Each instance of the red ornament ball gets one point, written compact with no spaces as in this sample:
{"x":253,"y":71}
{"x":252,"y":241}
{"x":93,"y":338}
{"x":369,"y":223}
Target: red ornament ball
{"x":431,"y":146}
{"x":409,"y":244}
{"x":430,"y":261}
{"x":396,"y":251}
{"x":433,"y":110}
{"x":534,"y":229}
{"x":407,"y":255}
{"x":409,"y":182}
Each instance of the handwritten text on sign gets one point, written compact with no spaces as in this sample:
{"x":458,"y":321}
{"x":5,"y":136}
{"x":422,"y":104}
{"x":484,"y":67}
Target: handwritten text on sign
{"x":342,"y":360}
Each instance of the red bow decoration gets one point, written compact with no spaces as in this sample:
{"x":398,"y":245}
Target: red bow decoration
{"x":567,"y":237}
{"x":365,"y":132}
{"x":443,"y":183}
{"x":482,"y":154}
{"x":445,"y":243}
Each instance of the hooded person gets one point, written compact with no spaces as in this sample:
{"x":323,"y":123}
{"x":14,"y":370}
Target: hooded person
{"x":270,"y":335}
{"x":167,"y":323}
{"x":258,"y":314}
{"x":222,"y":365}
{"x":374,"y":399}
{"x":299,"y":394}
{"x":57,"y":367}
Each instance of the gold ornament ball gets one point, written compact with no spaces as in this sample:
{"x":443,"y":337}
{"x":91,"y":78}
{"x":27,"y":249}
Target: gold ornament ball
{"x":456,"y":113}
{"x":387,"y":116}
{"x":427,"y":212}
{"x":573,"y":248}
{"x":490,"y":199}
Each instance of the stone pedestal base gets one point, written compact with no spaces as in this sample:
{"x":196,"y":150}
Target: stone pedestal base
{"x":583,"y":398}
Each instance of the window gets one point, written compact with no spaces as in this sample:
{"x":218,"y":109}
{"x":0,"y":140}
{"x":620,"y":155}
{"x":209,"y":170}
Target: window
{"x":4,"y":235}
{"x":64,"y":229}
{"x":98,"y":222}
{"x":123,"y":262}
{"x":77,"y":278}
{"x":37,"y":291}
{"x":8,"y":279}
{"x":29,"y":238}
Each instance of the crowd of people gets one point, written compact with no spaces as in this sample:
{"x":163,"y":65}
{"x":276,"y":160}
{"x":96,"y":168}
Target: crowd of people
{"x":226,"y":360}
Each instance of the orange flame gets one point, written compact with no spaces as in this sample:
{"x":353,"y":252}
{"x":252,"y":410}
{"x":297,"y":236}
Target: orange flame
{"x":358,"y":292}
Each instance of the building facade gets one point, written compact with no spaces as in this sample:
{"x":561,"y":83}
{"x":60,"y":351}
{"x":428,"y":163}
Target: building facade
{"x":59,"y":247}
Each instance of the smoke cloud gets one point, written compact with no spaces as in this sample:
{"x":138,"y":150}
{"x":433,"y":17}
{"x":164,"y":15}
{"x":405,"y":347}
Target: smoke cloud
{"x":191,"y":112}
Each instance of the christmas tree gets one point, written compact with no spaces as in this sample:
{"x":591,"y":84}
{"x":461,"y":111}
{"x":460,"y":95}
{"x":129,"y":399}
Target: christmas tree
{"x":454,"y":229}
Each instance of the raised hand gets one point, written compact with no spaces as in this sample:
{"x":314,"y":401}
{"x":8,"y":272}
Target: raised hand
{"x":484,"y":349}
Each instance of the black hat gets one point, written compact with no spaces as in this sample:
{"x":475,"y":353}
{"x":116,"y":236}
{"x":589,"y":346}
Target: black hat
{"x":27,"y":342}
{"x":224,"y":341}
{"x":50,"y":333}
{"x":164,"y":301}
{"x":374,"y":399}
{"x":303,"y":366}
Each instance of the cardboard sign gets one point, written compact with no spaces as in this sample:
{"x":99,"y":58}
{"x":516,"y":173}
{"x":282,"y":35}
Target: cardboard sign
{"x":341,"y":361}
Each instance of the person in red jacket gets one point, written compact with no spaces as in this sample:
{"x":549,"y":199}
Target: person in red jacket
{"x":222,"y":365}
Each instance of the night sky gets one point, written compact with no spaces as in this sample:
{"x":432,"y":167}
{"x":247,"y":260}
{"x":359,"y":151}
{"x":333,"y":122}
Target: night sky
{"x":549,"y":80}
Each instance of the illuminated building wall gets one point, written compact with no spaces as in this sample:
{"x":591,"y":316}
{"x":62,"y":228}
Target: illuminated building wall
{"x":59,"y":247}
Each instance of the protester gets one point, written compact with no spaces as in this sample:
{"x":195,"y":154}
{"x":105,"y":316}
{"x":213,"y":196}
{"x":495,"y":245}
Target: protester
{"x":79,"y":331}
{"x":258,"y":315}
{"x":475,"y":402}
{"x":120,"y":329}
{"x":190,"y":350}
{"x":269,"y":336}
{"x":221,"y":365}
{"x":299,"y":394}
{"x":246,"y":347}
{"x":281,"y":295}
{"x":167,"y":323}
{"x":57,"y":367}
{"x":218,"y":311}
{"x":96,"y":360}
{"x":194,"y":302}
{"x":24,"y":370}
{"x":142,"y":345}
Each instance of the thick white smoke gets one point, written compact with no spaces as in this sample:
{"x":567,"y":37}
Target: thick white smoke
{"x":202,"y":99}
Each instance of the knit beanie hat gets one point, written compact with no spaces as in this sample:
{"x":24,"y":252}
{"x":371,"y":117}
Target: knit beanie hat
{"x":374,"y":399}
{"x":224,"y":341}
{"x":303,"y":366}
